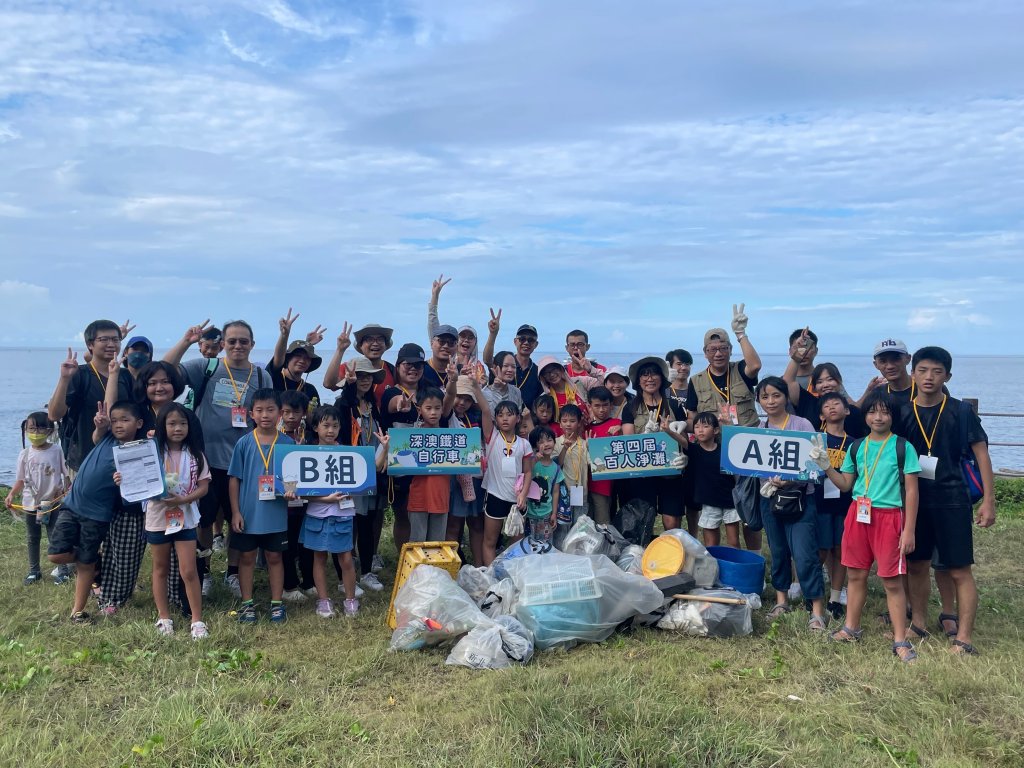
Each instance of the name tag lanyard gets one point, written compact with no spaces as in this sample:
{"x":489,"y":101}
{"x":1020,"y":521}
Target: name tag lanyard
{"x":864,"y":502}
{"x":268,"y":477}
{"x":239,"y":413}
{"x":928,"y":439}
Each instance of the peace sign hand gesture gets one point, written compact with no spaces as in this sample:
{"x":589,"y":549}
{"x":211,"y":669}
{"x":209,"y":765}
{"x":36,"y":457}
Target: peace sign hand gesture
{"x":383,"y":438}
{"x":344,"y":340}
{"x":316,"y":335}
{"x":285,"y":323}
{"x":819,"y":453}
{"x":126,"y":328}
{"x":739,"y":320}
{"x":435,"y":288}
{"x":69,"y":367}
{"x":494,"y":324}
{"x":101,"y":420}
{"x":195,"y":332}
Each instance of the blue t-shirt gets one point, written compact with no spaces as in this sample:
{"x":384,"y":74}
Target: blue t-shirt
{"x":247,"y":466}
{"x":93,"y":493}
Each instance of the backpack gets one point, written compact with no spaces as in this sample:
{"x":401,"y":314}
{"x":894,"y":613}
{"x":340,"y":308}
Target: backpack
{"x":968,"y":462}
{"x":901,"y":460}
{"x":195,"y":397}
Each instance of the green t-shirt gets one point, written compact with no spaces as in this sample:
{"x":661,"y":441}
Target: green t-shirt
{"x":547,"y":477}
{"x":884,"y":488}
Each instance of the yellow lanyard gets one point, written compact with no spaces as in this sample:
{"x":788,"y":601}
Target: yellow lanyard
{"x":445,"y":380}
{"x":100,"y":379}
{"x":285,"y":375}
{"x":838,"y":450}
{"x":238,"y":396}
{"x":928,"y":439}
{"x":868,"y":475}
{"x":565,"y":393}
{"x":577,"y":475}
{"x":509,"y":446}
{"x":768,"y":424}
{"x":657,"y":413}
{"x":269,"y":454}
{"x":728,"y":381}
{"x":528,"y":372}
{"x":619,"y":409}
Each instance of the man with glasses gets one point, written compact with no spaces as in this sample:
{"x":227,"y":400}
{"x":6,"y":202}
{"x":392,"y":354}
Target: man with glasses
{"x":223,"y":413}
{"x":527,"y":378}
{"x":724,"y":388}
{"x":577,"y":344}
{"x":372,"y":341}
{"x":81,"y":387}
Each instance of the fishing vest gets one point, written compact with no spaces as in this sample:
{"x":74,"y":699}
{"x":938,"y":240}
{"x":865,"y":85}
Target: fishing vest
{"x":740,"y":395}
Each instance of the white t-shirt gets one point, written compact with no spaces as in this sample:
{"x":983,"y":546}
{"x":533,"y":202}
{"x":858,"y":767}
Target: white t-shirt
{"x":187,"y":481}
{"x":502,"y":469}
{"x":43,"y":473}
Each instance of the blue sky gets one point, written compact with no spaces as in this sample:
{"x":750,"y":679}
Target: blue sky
{"x":633,"y":169}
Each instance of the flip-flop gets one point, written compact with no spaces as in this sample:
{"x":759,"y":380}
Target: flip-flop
{"x":944,"y":617}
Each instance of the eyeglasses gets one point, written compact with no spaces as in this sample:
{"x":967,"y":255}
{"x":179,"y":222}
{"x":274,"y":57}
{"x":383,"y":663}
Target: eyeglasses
{"x":650,"y":374}
{"x":576,"y":344}
{"x":526,"y":339}
{"x":107,"y":340}
{"x":718,"y":350}
{"x":238,"y":342}
{"x":374,"y":340}
{"x":444,"y":341}
{"x":416,"y":365}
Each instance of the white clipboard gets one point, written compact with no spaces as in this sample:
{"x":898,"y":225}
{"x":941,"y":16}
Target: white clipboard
{"x":142,"y":472}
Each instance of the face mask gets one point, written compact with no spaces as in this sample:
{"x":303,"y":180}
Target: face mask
{"x":137,"y":359}
{"x":38,"y":438}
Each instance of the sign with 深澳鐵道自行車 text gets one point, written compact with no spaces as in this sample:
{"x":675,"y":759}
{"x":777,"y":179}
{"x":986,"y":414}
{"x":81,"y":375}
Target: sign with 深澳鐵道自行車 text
{"x":422,"y":451}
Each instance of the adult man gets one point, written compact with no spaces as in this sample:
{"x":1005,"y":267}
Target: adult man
{"x":803,"y":348}
{"x":442,"y":346}
{"x":724,"y":388}
{"x":80,"y":387}
{"x":223,"y":397}
{"x":577,"y":344}
{"x":372,"y":341}
{"x":527,"y":378}
{"x":891,"y":358}
{"x":292,"y":361}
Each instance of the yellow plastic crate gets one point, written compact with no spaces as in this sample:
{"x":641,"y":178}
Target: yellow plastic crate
{"x":443,"y":554}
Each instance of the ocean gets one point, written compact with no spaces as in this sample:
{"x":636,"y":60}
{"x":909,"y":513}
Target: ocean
{"x":28,"y":376}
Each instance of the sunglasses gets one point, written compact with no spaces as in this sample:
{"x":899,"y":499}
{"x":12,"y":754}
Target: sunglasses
{"x":526,"y":339}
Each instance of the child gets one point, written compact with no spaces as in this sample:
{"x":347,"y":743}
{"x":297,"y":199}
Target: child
{"x":89,"y":507}
{"x":173,"y":520}
{"x":565,"y":390}
{"x":876,"y":530}
{"x":297,"y":583}
{"x":712,"y":490}
{"x":508,"y":456}
{"x":942,"y":430}
{"x":573,"y":458}
{"x":542,"y":513}
{"x":41,"y":479}
{"x":294,"y":408}
{"x":544,"y":414}
{"x":526,"y":423}
{"x":259,"y":519}
{"x":600,"y":497}
{"x":831,"y":502}
{"x":467,"y":496}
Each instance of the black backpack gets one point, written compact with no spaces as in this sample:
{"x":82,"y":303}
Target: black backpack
{"x":901,"y":460}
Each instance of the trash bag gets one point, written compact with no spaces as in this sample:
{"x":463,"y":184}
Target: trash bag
{"x":637,"y":521}
{"x":566,"y":599}
{"x":431,"y":609}
{"x":699,"y":562}
{"x":588,"y":538}
{"x":500,"y":599}
{"x":497,"y":646}
{"x":746,"y":496}
{"x":475,"y":581}
{"x":631,"y":559}
{"x":704,"y":619}
{"x":521,"y":548}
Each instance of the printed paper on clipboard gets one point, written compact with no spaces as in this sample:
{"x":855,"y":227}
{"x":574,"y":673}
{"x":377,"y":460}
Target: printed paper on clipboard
{"x":142,"y":473}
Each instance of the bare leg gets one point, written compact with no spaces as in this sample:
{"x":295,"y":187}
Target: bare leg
{"x":896,"y":600}
{"x":476,"y":538}
{"x":967,"y":600}
{"x":83,"y":583}
{"x":190,"y":575}
{"x":732,"y":535}
{"x":857,"y":595}
{"x":692,"y":518}
{"x":246,"y":565}
{"x":948,"y":594}
{"x":320,"y":574}
{"x":161,"y":563}
{"x":670,"y":522}
{"x":711,"y":537}
{"x":492,"y":529}
{"x":275,"y":572}
{"x":348,"y":575}
{"x":920,"y":588}
{"x":751,"y":539}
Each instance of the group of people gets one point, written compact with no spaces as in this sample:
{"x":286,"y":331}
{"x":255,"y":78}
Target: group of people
{"x":894,"y":495}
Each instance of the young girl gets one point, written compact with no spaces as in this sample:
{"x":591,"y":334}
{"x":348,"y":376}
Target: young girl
{"x":508,"y":456}
{"x":173,"y":519}
{"x":544,"y":414}
{"x":791,"y":538}
{"x":712,"y":489}
{"x":526,"y":423}
{"x":42,"y":480}
{"x":542,"y":513}
{"x":467,"y":497}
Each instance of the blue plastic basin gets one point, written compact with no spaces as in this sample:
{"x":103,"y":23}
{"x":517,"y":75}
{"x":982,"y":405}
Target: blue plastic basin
{"x":740,"y":569}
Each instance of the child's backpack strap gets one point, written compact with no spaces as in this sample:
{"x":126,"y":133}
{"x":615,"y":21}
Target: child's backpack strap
{"x":853,"y":451}
{"x":901,"y":463}
{"x":211,"y":368}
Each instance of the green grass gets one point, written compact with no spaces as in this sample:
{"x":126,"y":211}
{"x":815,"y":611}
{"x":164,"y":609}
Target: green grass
{"x":330,"y":693}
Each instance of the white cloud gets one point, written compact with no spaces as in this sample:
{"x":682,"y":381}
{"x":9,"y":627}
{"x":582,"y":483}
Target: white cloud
{"x":243,"y":52}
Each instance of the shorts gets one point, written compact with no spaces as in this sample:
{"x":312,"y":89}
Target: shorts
{"x":80,"y":535}
{"x":327,"y":534}
{"x":458,"y":507}
{"x":874,"y":542}
{"x":945,"y":535}
{"x":664,"y":493}
{"x":829,"y":530}
{"x":270,"y":542}
{"x":216,"y":498}
{"x":712,"y":517}
{"x":157,"y":538}
{"x":497,"y":509}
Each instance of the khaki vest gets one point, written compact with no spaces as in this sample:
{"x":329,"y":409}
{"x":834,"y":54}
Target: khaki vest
{"x":708,"y":398}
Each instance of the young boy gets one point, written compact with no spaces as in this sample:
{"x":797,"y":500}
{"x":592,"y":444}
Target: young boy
{"x":294,"y":408}
{"x":880,"y":525}
{"x":542,"y":513}
{"x":259,"y":519}
{"x":89,"y":507}
{"x":831,"y":502}
{"x":574,"y":459}
{"x":599,"y":497}
{"x":430,"y":495}
{"x":941,"y":429}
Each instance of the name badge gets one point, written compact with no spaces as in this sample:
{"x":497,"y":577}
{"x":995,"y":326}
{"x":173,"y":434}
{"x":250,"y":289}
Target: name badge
{"x":175,"y":519}
{"x":509,"y":468}
{"x":575,"y":495}
{"x":240,"y":417}
{"x":294,"y":503}
{"x":347,"y":504}
{"x":864,"y":510}
{"x":727,"y":414}
{"x":831,"y":489}
{"x":928,"y":466}
{"x":266,"y":487}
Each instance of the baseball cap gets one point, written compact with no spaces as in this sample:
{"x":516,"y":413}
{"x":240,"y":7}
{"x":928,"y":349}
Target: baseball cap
{"x":446,"y":330}
{"x":890,"y":345}
{"x":721,"y":333}
{"x":526,"y":329}
{"x":140,"y":340}
{"x":411,"y":353}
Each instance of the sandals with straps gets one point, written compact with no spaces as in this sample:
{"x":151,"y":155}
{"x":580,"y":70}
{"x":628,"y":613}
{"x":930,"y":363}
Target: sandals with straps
{"x":943,"y":618}
{"x":960,"y":648}
{"x":909,"y":656}
{"x":778,"y":611}
{"x":846,"y":635}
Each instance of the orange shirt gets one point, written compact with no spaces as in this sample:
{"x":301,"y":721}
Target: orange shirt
{"x":430,"y":493}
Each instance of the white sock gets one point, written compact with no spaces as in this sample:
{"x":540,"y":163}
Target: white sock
{"x":834,"y":596}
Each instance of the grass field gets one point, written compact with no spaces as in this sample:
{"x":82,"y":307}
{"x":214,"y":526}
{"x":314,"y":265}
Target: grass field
{"x":317,"y":692}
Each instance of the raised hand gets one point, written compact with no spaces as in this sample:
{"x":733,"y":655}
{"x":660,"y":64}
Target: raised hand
{"x":195,"y":332}
{"x":580,"y":360}
{"x":819,"y":453}
{"x":494,"y":324}
{"x":69,"y":367}
{"x":739,"y":320}
{"x":285,"y":323}
{"x":383,"y":438}
{"x":113,"y":367}
{"x":344,"y":338}
{"x":435,"y":288}
{"x":101,"y":420}
{"x":316,"y":335}
{"x":126,"y":328}
{"x":452,"y":371}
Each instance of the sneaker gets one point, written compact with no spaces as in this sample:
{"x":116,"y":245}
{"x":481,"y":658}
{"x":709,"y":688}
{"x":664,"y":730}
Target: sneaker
{"x":351,"y":607}
{"x":56,"y":570}
{"x":278,"y":614}
{"x":795,"y":593}
{"x":294,"y":596}
{"x":371,"y":582}
{"x":207,"y":584}
{"x":199,"y":630}
{"x":81,"y":617}
{"x":359,"y":590}
{"x":325,"y":609}
{"x":109,"y":610}
{"x":165,"y":627}
{"x":218,"y":546}
{"x":836,"y":609}
{"x":32,"y":578}
{"x":231,"y":581}
{"x":62,"y":574}
{"x":842,"y":596}
{"x":247,"y":615}
{"x":310,"y":592}
{"x":377,"y":564}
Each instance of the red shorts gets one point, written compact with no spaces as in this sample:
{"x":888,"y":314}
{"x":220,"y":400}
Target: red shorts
{"x":877,"y":541}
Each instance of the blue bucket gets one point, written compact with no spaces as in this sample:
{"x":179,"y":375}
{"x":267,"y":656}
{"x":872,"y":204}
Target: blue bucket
{"x":740,"y":569}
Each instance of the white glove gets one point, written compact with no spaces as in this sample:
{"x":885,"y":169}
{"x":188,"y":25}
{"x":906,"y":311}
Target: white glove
{"x":679,"y":462}
{"x":819,"y":453}
{"x":768,"y":489}
{"x":651,"y":425}
{"x":679,"y":427}
{"x":739,"y":321}
{"x":514,"y":523}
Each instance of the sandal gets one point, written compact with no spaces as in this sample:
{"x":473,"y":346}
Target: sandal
{"x":886,"y":619}
{"x":846,"y":635}
{"x":960,"y":648}
{"x":943,"y":618}
{"x":922,"y":634}
{"x":777,"y":611}
{"x":907,"y":657}
{"x":817,"y":623}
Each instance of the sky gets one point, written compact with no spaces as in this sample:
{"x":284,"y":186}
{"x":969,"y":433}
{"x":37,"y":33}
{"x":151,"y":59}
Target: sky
{"x":633,"y":169}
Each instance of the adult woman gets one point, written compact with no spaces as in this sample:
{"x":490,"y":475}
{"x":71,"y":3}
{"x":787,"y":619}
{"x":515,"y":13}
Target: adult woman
{"x":616,"y":381}
{"x":467,"y":346}
{"x":825,"y":377}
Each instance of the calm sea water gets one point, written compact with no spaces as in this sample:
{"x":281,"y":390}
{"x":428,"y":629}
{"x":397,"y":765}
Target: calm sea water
{"x":28,"y":376}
